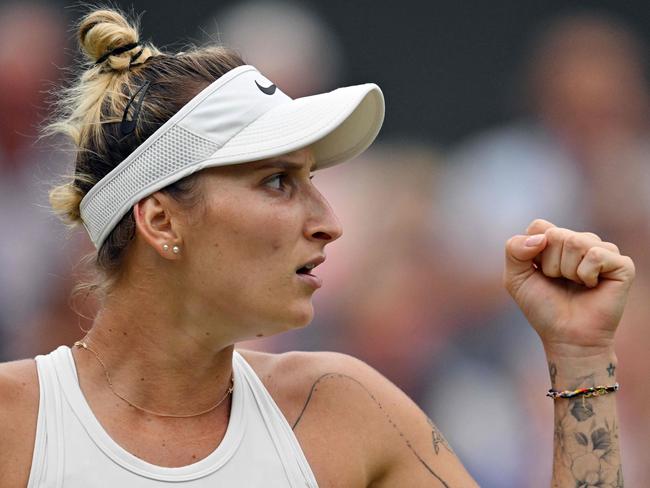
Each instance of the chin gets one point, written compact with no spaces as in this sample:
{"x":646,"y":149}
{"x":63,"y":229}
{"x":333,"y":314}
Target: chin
{"x":284,"y":320}
{"x":305,"y":319}
{"x":299,"y":317}
{"x":294,"y":318}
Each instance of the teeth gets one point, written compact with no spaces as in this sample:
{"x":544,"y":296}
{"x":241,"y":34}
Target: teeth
{"x":310,"y":266}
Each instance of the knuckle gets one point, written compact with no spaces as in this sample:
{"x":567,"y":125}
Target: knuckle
{"x":552,"y":234}
{"x":574,"y":242}
{"x":595,"y":254}
{"x":558,"y":232}
{"x":591,"y":235}
{"x":537,"y":223}
{"x":612,"y":247}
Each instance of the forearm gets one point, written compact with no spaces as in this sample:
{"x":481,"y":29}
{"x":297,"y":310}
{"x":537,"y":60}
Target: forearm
{"x":585,"y":445}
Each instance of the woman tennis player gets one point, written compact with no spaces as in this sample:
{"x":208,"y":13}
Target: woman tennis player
{"x":192,"y":179}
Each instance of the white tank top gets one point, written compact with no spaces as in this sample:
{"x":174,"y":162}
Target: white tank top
{"x":72,"y":449}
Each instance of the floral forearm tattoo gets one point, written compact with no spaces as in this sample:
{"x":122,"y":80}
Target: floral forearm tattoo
{"x":586,"y":447}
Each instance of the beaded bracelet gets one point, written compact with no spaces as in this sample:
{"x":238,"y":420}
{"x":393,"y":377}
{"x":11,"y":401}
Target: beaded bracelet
{"x":583,"y":392}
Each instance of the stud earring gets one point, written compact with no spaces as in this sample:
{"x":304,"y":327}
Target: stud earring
{"x":165,"y":247}
{"x":176,"y":249}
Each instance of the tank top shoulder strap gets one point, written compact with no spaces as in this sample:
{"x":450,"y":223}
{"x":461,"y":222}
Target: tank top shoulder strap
{"x":48,"y":458}
{"x":295,"y":462}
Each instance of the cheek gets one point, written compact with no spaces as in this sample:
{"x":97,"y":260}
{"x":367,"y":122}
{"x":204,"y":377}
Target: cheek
{"x":255,"y":240}
{"x":237,"y":240}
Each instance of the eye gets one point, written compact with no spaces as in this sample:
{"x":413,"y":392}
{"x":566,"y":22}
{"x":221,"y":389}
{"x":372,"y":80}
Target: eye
{"x":277,"y":181}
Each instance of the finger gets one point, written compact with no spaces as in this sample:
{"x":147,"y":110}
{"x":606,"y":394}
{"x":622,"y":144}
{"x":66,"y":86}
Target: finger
{"x":576,"y":245}
{"x":611,"y":247}
{"x":551,"y":258}
{"x":521,"y":250}
{"x":603,"y":263}
{"x":538,"y":226}
{"x":607,"y":245}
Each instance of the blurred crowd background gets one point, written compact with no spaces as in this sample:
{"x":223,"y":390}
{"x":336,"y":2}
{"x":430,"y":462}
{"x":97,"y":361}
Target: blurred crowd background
{"x":497,"y":113}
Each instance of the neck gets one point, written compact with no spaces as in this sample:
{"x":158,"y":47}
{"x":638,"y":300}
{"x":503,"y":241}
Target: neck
{"x":155,"y":359}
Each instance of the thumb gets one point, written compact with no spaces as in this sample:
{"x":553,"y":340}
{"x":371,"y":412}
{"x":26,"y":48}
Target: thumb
{"x":520,"y":252}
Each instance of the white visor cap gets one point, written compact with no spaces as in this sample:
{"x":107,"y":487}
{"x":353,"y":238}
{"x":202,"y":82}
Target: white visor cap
{"x":239,"y":118}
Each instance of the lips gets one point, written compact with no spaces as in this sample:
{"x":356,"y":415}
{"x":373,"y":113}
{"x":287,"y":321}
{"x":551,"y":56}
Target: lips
{"x":310,"y":265}
{"x":304,"y":272}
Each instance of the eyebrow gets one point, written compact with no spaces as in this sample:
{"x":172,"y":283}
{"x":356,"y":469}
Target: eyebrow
{"x":287,"y":165}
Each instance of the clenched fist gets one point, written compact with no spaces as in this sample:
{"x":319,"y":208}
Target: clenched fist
{"x":571,"y":286}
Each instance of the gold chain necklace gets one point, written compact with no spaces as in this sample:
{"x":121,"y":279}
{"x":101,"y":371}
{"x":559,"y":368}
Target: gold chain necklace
{"x":83,"y":345}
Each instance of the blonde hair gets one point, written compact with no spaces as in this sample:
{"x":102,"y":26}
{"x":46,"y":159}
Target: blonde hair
{"x":89,"y":112}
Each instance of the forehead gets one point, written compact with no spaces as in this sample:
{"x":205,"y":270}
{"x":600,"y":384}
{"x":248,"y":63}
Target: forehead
{"x":303,"y":159}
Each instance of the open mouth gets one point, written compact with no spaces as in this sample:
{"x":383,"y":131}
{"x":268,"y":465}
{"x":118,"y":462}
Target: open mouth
{"x":305,"y":273}
{"x":306,"y":269}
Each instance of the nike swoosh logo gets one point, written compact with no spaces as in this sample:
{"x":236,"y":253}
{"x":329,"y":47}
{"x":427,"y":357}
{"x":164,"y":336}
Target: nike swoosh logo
{"x":267,"y":90}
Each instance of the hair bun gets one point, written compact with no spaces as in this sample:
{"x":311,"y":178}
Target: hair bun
{"x":107,"y":36}
{"x":65,"y":200}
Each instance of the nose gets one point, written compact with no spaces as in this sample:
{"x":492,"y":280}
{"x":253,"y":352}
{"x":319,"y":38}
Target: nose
{"x":322,"y":224}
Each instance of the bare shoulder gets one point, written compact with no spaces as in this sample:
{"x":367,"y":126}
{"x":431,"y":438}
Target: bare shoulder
{"x":19,"y":398}
{"x":18,"y":391}
{"x":292,"y":377}
{"x":351,"y":408}
{"x":304,"y":366}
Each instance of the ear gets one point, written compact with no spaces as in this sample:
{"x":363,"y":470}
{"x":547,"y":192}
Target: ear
{"x":157,"y":224}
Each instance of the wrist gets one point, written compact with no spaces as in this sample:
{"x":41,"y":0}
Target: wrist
{"x":570,"y":372}
{"x":571,"y":352}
